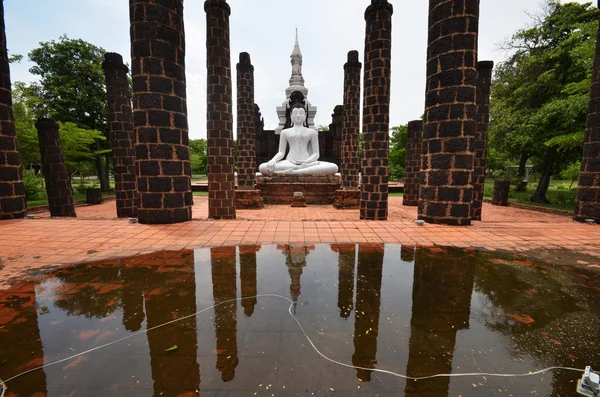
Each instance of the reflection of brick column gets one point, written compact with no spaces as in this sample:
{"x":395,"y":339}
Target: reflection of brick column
{"x":484,"y":84}
{"x":223,"y":263}
{"x":248,"y":277}
{"x":219,"y":131}
{"x":346,"y":259}
{"x":12,"y":191}
{"x":246,"y":130}
{"x":120,"y":126}
{"x":446,"y":186}
{"x":368,"y":302}
{"x":175,"y":298}
{"x":58,"y":182}
{"x":412,"y":168}
{"x":160,"y":111}
{"x":588,"y":191}
{"x":350,"y":165}
{"x":376,"y":111}
{"x":442,"y":288}
{"x":22,"y":344}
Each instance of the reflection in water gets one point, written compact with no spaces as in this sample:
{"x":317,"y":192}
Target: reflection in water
{"x":441,"y":307}
{"x":223,"y":263}
{"x":133,"y":299}
{"x":248,"y":277}
{"x":19,"y":328}
{"x":346,"y":263}
{"x":368,"y":302}
{"x":512,"y":314}
{"x":295,"y":259}
{"x":173,"y":283}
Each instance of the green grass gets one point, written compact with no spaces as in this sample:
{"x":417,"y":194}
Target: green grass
{"x":559,"y":195}
{"x":200,"y":193}
{"x":76,"y":197}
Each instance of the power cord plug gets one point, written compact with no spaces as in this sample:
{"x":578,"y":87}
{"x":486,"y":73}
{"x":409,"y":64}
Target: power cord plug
{"x":589,"y":384}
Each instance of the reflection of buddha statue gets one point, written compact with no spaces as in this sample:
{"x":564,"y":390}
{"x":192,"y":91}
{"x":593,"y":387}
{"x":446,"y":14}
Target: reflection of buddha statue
{"x":304,"y":150}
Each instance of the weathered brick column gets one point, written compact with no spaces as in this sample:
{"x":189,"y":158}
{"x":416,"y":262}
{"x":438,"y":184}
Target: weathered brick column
{"x":246,"y":130}
{"x":412,"y":170}
{"x":350,"y":166}
{"x":446,"y":185}
{"x":376,"y":111}
{"x":12,"y":191}
{"x":219,"y":131}
{"x":587,"y":205}
{"x":120,"y":127}
{"x":162,"y":151}
{"x":58,"y":182}
{"x":482,"y":98}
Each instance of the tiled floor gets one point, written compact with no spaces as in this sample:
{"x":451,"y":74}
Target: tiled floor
{"x":27,"y":245}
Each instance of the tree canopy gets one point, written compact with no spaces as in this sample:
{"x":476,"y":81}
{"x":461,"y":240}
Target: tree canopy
{"x":540,"y":94}
{"x":71,"y":86}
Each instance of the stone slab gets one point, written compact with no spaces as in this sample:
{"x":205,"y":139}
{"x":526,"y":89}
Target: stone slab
{"x":280,"y":189}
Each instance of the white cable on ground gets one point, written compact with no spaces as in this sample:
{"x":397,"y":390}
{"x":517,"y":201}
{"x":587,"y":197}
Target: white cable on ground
{"x":383,"y":371}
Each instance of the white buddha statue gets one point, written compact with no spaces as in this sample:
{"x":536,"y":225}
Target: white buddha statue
{"x":304,"y":150}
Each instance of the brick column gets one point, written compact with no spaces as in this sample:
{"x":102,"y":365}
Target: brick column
{"x":587,"y":205}
{"x":350,"y":166}
{"x":120,"y":127}
{"x":219,"y":131}
{"x":446,"y":184}
{"x":246,"y":129}
{"x":335,"y":134}
{"x":412,"y":170}
{"x":482,"y":98}
{"x":12,"y":191}
{"x":162,"y":151}
{"x":376,"y":111}
{"x":58,"y":182}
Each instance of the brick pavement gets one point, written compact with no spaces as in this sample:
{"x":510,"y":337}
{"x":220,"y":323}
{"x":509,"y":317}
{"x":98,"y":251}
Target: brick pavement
{"x":97,"y":233}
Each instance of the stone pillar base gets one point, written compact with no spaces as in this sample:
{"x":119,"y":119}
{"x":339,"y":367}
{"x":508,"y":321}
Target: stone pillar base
{"x":280,"y":189}
{"x":298,"y":201}
{"x":248,"y":200}
{"x":93,"y":196}
{"x":501,"y":191}
{"x":347,"y":200}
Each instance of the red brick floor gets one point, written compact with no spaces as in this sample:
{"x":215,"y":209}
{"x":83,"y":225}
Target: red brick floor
{"x":30,"y":244}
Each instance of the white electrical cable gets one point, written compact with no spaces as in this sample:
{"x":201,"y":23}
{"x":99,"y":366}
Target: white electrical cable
{"x":383,"y":371}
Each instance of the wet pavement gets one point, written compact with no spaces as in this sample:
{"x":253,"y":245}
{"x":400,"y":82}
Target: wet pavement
{"x":411,"y":311}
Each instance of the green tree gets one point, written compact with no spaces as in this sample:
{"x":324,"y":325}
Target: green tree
{"x":398,"y":141}
{"x":71,"y":86}
{"x":71,"y":89}
{"x":198,"y":156}
{"x":540,"y":94}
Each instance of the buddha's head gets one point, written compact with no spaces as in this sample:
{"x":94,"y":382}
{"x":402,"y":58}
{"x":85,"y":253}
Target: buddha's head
{"x":298,"y":114}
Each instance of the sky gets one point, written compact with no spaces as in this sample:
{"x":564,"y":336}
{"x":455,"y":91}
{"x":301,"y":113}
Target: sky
{"x":327,"y":30}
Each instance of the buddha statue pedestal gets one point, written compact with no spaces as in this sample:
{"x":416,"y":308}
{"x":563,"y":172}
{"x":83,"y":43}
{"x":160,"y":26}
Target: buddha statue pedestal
{"x":280,"y":189}
{"x":347,"y":200}
{"x":248,"y":200}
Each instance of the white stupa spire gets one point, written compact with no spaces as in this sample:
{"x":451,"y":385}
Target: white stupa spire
{"x":296,"y":59}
